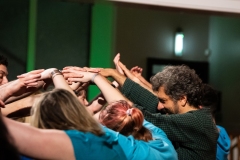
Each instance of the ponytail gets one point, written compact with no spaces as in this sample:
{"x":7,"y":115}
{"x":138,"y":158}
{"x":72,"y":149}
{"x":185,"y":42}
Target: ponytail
{"x":120,"y":117}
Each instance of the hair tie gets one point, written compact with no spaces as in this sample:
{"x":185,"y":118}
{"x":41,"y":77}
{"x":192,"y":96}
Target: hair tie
{"x":129,"y":112}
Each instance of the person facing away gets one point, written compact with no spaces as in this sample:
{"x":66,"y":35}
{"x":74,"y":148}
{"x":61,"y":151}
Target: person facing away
{"x":128,"y":121}
{"x":179,"y":89}
{"x":3,"y":70}
{"x":59,"y":109}
{"x":210,"y":100}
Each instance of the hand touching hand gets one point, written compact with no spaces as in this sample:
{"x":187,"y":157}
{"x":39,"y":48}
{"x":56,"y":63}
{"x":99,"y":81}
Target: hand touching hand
{"x":84,"y":69}
{"x":128,"y":73}
{"x":25,"y":83}
{"x":30,"y":79}
{"x":77,"y":75}
{"x":116,"y":61}
{"x":46,"y":74}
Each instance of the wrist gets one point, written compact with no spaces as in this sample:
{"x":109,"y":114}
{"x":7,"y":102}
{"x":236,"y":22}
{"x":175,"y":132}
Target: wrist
{"x":114,"y":84}
{"x":93,"y":77}
{"x":55,"y":72}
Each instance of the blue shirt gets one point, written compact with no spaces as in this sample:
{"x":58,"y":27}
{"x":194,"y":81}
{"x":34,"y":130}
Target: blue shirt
{"x":223,"y":144}
{"x":91,"y":147}
{"x":157,"y":149}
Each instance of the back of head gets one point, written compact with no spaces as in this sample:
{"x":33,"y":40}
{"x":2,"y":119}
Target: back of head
{"x":59,"y":109}
{"x":7,"y":149}
{"x":209,"y":97}
{"x":3,"y":61}
{"x":120,"y":117}
{"x":179,"y":81}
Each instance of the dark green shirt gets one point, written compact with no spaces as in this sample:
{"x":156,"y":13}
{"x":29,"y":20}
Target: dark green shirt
{"x":193,"y":134}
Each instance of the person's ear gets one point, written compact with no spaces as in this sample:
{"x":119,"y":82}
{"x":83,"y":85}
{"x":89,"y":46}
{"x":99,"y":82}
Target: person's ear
{"x":183,"y":101}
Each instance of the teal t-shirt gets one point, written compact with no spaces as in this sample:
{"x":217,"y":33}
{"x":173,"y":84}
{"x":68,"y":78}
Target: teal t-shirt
{"x":223,"y":144}
{"x":91,"y":147}
{"x":157,"y":149}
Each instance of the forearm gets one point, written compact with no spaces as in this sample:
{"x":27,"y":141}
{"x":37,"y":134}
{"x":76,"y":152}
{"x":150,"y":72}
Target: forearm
{"x":60,"y":82}
{"x":145,"y":86}
{"x":115,"y":75}
{"x":6,"y":90}
{"x":108,"y":91}
{"x":32,"y":142}
{"x":18,"y":105}
{"x":140,"y":95}
{"x":27,"y":93}
{"x":28,"y":82}
{"x":144,"y":81}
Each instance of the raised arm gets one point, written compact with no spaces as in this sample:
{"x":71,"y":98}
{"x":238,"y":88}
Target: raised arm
{"x":137,"y":72}
{"x":108,"y":91}
{"x":134,"y":74}
{"x":26,"y":83}
{"x":134,"y":78}
{"x":19,"y":108}
{"x":16,"y":88}
{"x":39,"y":143}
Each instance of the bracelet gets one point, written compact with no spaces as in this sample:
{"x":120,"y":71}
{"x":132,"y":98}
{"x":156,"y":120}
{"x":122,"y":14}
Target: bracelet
{"x":55,"y":72}
{"x":56,"y":75}
{"x":113,"y":85}
{"x":93,"y":77}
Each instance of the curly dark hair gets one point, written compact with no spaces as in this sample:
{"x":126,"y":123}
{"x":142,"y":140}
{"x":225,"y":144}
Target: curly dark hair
{"x":179,"y":81}
{"x":3,"y":60}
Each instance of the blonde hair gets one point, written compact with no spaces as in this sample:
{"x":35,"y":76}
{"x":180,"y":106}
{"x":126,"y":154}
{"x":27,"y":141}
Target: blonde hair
{"x":59,"y":109}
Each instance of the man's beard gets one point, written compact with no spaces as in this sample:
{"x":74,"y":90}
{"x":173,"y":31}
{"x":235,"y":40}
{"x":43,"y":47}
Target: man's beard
{"x":174,"y":110}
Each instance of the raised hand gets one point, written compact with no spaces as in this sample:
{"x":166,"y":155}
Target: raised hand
{"x":77,"y":75}
{"x":116,"y":61}
{"x":106,"y":72}
{"x":128,"y":73}
{"x":46,"y":74}
{"x":93,"y":70}
{"x":25,"y":82}
{"x":30,"y":79}
{"x":71,"y":72}
{"x":84,"y":69}
{"x":136,"y":71}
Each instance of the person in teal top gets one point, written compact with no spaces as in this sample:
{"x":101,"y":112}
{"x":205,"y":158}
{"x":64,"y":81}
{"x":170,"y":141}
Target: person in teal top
{"x":159,"y":148}
{"x":91,"y":147}
{"x":223,"y":144}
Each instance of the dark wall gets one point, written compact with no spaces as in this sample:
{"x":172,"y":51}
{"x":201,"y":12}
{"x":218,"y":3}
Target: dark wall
{"x":13,"y":34}
{"x":63,"y":30}
{"x":62,"y":34}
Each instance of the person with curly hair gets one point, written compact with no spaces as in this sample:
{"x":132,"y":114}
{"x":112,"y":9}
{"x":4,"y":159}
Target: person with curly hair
{"x":179,"y":91}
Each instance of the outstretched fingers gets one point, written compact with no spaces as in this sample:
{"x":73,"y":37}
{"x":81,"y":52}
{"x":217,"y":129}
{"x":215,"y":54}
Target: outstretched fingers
{"x":34,"y":72}
{"x":73,"y":74}
{"x":116,"y":61}
{"x":30,"y":79}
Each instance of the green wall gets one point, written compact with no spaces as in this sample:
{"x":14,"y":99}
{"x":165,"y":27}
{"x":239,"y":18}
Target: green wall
{"x":102,"y":39}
